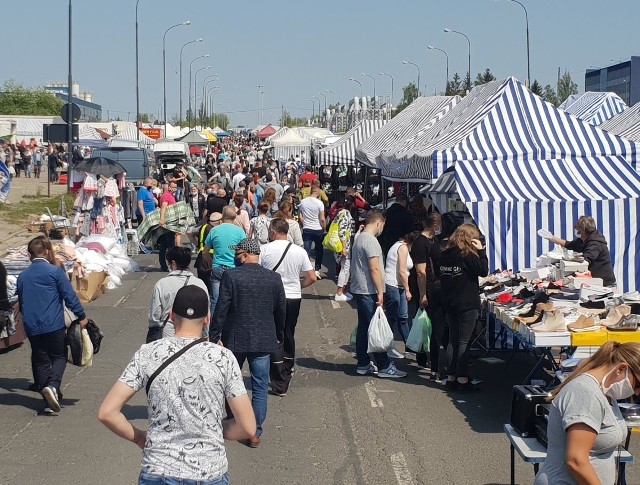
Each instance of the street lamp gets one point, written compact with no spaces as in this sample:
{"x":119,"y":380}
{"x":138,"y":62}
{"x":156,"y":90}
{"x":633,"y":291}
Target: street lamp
{"x":190,"y":84}
{"x":325,"y":102}
{"x":259,"y":88}
{"x":182,"y":49}
{"x":164,"y":69}
{"x":137,"y":79}
{"x":526,"y":18}
{"x":195,"y":82}
{"x":469,"y":42}
{"x":313,"y":108}
{"x":333,"y":96}
{"x":319,"y":107}
{"x":205,"y":84}
{"x":212,"y":97}
{"x":418,"y":68}
{"x":356,"y":81}
{"x":387,"y":74}
{"x":374,"y":88}
{"x":430,"y":47}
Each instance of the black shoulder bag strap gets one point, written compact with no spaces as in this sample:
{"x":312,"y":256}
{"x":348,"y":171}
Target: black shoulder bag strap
{"x":281,"y":258}
{"x":166,"y":319}
{"x":167,"y":362}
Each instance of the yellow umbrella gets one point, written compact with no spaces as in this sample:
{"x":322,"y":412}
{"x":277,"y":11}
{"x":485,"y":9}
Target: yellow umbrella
{"x":209,"y":136}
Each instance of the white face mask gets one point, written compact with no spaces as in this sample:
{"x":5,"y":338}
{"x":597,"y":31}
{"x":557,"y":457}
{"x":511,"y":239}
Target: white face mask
{"x":437,"y":232}
{"x":577,"y":233}
{"x":618,"y":390}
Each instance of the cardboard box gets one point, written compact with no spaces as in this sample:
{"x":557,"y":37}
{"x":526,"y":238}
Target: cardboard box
{"x":623,"y":337}
{"x":90,"y":287}
{"x":34,"y":224}
{"x":579,"y":339}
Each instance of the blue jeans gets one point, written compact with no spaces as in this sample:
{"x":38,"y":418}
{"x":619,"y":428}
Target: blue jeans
{"x":214,"y":290}
{"x":314,"y":236}
{"x":259,"y":365}
{"x":149,"y":479}
{"x":366,"y":309}
{"x":397,"y":310}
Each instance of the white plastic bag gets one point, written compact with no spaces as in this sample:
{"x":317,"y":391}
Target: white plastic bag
{"x":414,"y":340}
{"x":380,"y":336}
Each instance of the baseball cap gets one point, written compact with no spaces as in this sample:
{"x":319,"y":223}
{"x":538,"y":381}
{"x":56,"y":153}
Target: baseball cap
{"x":251,"y":246}
{"x":191,"y":302}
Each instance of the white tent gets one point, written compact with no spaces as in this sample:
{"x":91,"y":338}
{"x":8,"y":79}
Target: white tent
{"x":172,"y":131}
{"x":132,"y":133}
{"x":290,"y":144}
{"x":314,"y":134}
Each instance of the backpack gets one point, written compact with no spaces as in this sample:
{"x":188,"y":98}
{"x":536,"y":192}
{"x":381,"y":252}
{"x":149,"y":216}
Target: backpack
{"x":260,"y":227}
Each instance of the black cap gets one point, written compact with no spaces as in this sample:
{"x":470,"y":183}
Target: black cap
{"x":191,"y":302}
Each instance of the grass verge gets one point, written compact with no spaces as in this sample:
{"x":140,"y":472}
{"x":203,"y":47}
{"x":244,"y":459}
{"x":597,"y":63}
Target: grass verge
{"x":18,"y":214}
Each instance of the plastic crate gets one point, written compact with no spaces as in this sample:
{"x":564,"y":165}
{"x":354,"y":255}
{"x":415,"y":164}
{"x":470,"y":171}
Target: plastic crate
{"x":581,"y":339}
{"x":622,"y":337}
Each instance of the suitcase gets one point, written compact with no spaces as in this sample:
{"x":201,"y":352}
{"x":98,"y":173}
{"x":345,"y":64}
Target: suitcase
{"x":523,"y":407}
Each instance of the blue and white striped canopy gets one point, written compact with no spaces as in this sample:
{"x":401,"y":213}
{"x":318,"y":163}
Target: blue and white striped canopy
{"x":510,"y":201}
{"x":343,"y":150}
{"x":501,"y":120}
{"x":419,"y":115}
{"x":625,"y":124}
{"x":593,"y":107}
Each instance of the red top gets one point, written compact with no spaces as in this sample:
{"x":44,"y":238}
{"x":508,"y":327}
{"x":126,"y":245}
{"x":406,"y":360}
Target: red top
{"x":308,"y":176}
{"x":168,"y":198}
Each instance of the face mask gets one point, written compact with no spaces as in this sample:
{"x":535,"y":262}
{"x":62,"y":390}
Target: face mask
{"x":209,"y":191}
{"x":437,"y":232}
{"x":576,"y":233}
{"x":194,"y":194}
{"x":618,"y":390}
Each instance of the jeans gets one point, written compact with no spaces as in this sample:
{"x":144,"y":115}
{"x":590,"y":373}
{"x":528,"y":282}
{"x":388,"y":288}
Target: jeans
{"x":166,"y":241}
{"x":366,"y":305}
{"x":314,"y":236}
{"x":149,"y":479}
{"x":397,"y":310}
{"x":439,"y":329}
{"x":259,"y":364}
{"x":214,"y":290}
{"x":179,"y":194}
{"x":461,"y":327}
{"x":48,"y":358}
{"x":282,"y":363}
{"x":27,"y":170}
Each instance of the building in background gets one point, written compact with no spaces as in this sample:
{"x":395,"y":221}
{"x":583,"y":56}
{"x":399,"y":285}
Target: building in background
{"x":622,"y":79}
{"x":89,"y":111}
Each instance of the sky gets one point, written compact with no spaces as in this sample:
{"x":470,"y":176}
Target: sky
{"x":297,"y":49}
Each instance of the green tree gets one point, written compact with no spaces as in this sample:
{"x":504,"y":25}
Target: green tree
{"x":15,"y":99}
{"x":566,"y":87}
{"x":484,"y":77}
{"x":288,"y":120}
{"x":455,"y":86}
{"x":145,"y":118}
{"x":536,"y":88}
{"x":550,"y":95}
{"x":409,"y":95}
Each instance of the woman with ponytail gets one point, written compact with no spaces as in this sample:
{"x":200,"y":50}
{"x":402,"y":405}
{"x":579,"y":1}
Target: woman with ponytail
{"x":585,"y":424}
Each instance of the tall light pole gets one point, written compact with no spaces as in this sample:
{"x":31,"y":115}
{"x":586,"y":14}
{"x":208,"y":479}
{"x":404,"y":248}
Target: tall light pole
{"x":212,"y":97}
{"x":182,"y":49}
{"x":205,"y":97}
{"x":195,"y":84}
{"x":190,"y":84}
{"x":526,"y":18}
{"x":390,"y":76}
{"x":325,"y":102}
{"x":468,"y":42}
{"x":356,"y":81}
{"x":333,"y":96}
{"x":259,"y":87}
{"x":164,"y":69}
{"x":70,"y":102}
{"x":375,"y":101}
{"x":418,"y":68}
{"x":137,"y":79}
{"x":319,"y":108}
{"x":430,"y":47}
{"x":313,"y":108}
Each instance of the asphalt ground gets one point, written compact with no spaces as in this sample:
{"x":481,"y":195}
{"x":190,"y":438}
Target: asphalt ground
{"x":333,"y":427}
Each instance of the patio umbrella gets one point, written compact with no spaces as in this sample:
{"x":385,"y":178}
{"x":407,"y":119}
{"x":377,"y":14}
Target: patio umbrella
{"x":100,"y":166}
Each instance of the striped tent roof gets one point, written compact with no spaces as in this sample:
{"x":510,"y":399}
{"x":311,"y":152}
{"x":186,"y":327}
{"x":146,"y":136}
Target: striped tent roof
{"x":625,"y":124}
{"x":593,"y":107}
{"x":343,"y":151}
{"x":511,"y":201}
{"x":419,"y":115}
{"x":278,"y":134}
{"x":502,"y":121}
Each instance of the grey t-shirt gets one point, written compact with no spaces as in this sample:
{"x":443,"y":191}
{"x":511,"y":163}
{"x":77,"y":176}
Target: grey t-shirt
{"x":365,"y":247}
{"x":582,"y":401}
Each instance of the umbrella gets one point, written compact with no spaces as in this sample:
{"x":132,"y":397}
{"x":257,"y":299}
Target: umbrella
{"x":100,"y":166}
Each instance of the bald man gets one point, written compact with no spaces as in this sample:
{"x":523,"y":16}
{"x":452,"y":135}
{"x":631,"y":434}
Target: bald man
{"x":147,"y":201}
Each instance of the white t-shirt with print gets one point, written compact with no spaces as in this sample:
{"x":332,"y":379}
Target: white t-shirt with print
{"x":295,"y":262}
{"x":311,"y":208}
{"x":186,"y":405}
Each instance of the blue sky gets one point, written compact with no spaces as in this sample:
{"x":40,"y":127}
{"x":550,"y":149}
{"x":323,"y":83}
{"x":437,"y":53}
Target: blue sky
{"x":297,"y":49}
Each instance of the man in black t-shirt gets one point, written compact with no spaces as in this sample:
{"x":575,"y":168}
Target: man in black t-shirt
{"x":217,"y":202}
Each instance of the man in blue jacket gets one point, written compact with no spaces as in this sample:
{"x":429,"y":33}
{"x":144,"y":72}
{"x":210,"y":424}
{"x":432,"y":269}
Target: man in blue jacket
{"x":42,"y":289}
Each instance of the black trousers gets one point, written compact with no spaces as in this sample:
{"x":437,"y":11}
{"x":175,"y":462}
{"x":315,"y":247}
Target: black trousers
{"x":461,"y":327}
{"x":283,"y":362}
{"x":439,"y":329}
{"x":48,"y":358}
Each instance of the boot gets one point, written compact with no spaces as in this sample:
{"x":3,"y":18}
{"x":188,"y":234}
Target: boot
{"x":538,"y":314}
{"x":553,"y":322}
{"x":615,"y":314}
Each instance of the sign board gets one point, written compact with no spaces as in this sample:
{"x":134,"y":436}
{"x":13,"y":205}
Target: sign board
{"x":155,"y":133}
{"x":58,"y":133}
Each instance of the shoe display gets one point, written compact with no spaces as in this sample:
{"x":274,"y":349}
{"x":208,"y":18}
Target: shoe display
{"x":627,"y":323}
{"x":553,"y":321}
{"x":391,"y":372}
{"x":537,"y":315}
{"x":615,"y":315}
{"x":51,"y":396}
{"x":367,"y":369}
{"x":584,"y":324}
{"x":394,"y":354}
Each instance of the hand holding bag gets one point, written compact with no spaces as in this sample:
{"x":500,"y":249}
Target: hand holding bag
{"x":380,"y":336}
{"x":332,"y":239}
{"x":414,"y":340}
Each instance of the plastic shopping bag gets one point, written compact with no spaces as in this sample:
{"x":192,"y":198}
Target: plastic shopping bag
{"x":380,"y":336}
{"x":414,"y":340}
{"x":426,"y":333}
{"x":332,"y":239}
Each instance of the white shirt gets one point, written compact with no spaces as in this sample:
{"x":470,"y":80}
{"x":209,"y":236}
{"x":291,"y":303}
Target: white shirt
{"x":295,"y":262}
{"x":237,"y":178}
{"x":311,"y":208}
{"x":391,"y":268}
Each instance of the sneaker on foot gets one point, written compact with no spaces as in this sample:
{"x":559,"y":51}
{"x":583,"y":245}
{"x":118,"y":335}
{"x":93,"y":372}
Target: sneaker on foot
{"x":342,"y":297}
{"x":391,"y":372}
{"x":394,"y":354}
{"x":367,"y":369}
{"x":51,"y":396}
{"x":318,"y":275}
{"x":47,"y":411}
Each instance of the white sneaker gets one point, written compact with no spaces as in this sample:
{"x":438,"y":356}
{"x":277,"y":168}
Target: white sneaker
{"x":367,"y":369}
{"x":391,"y":372}
{"x":318,"y":275}
{"x":51,"y":396}
{"x":394,"y":354}
{"x":342,"y":297}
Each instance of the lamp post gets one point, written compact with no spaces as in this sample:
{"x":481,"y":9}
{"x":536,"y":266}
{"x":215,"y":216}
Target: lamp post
{"x":319,"y":107}
{"x":164,"y":69}
{"x":333,"y":96}
{"x":526,"y":18}
{"x":205,"y":85}
{"x":69,"y":106}
{"x":374,"y":88}
{"x":390,"y":76}
{"x":430,"y":47}
{"x":468,"y":42}
{"x":211,"y":102}
{"x":259,"y":88}
{"x":356,"y":81}
{"x":325,"y":102}
{"x":190,"y":84}
{"x":313,"y":108}
{"x":137,"y":79}
{"x":195,"y":83}
{"x":418,"y":68}
{"x":182,"y":49}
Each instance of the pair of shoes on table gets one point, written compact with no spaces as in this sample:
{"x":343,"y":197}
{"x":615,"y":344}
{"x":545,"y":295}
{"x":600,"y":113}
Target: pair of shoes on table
{"x":538,"y":314}
{"x":343,"y":297}
{"x":615,"y":315}
{"x":584,"y":323}
{"x":552,"y":321}
{"x":626,"y":323}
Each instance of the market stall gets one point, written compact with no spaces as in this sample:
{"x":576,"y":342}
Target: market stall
{"x":290,"y":144}
{"x":625,"y":124}
{"x":594,"y":107}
